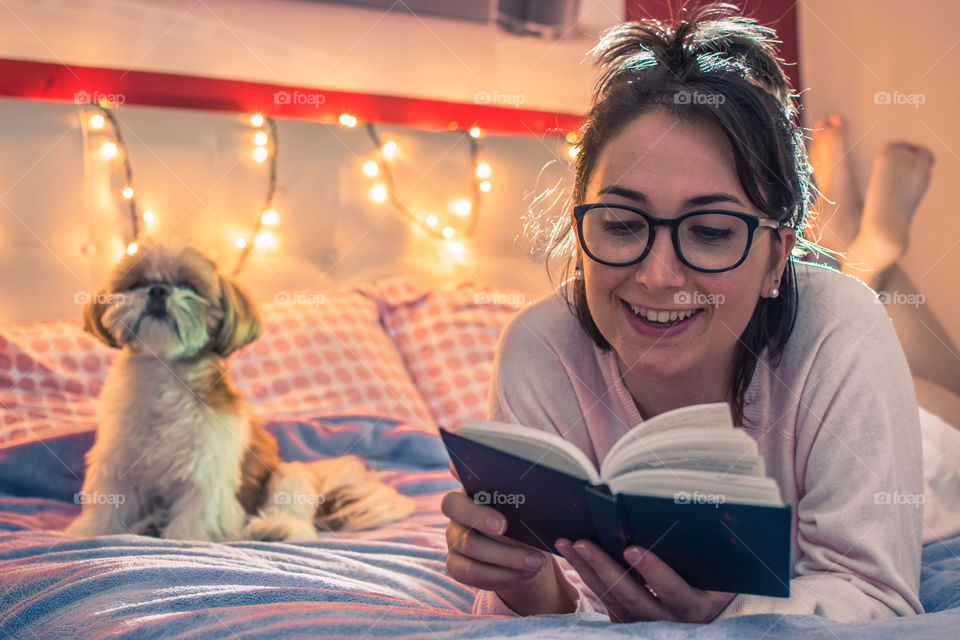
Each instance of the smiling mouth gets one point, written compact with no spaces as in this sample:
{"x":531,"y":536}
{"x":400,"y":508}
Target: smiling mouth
{"x":662,"y":317}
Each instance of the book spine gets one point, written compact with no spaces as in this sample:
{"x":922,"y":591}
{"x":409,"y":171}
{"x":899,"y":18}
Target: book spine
{"x":613,"y":533}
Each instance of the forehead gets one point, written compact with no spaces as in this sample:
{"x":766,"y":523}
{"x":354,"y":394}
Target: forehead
{"x":167,"y":264}
{"x":669,"y":159}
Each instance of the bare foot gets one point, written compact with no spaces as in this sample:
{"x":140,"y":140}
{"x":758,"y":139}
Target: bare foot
{"x":900,"y":176}
{"x":840,"y":202}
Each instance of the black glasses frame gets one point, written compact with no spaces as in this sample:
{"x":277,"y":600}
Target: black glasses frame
{"x":753,"y":223}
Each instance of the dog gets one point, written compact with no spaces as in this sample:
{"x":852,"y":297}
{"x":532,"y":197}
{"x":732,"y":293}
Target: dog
{"x":178,"y":454}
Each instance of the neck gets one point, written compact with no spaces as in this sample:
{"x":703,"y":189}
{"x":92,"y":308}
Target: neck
{"x":654,"y":395}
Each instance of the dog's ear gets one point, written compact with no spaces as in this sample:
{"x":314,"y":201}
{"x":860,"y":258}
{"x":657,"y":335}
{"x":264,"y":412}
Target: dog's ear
{"x":241,"y":320}
{"x":93,"y":318}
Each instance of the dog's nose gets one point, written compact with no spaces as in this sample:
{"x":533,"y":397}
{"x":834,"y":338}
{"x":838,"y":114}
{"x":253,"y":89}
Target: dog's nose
{"x":158,"y":291}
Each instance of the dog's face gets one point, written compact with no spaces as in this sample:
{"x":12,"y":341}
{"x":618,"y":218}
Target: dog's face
{"x":170,"y":301}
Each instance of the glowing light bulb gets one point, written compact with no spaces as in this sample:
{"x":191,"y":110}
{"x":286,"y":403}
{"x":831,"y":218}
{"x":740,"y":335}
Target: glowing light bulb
{"x":260,"y":154}
{"x":132,"y":248}
{"x":241,"y":243}
{"x":348,"y":120}
{"x":474,"y":132}
{"x":461,"y":207}
{"x":448,"y":232}
{"x":256,"y":119}
{"x":128,"y":192}
{"x":264,"y":240}
{"x":573,"y":151}
{"x":572,"y":137}
{"x":483,"y":170}
{"x":97,"y":121}
{"x":485,"y":186}
{"x":105,"y":102}
{"x":270,"y":218}
{"x":431,"y":220}
{"x":148,"y":217}
{"x":109,"y":149}
{"x":378,"y":193}
{"x":389,"y":149}
{"x":370,"y":168}
{"x":260,"y":138}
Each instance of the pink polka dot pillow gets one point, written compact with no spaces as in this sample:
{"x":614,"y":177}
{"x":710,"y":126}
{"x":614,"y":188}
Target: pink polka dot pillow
{"x":448,"y":338}
{"x":325,"y":353}
{"x":50,"y":376}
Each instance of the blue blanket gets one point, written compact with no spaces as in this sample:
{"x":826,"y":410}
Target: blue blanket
{"x":390,"y":582}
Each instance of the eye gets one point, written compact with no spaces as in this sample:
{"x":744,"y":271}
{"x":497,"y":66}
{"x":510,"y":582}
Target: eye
{"x":711,"y":234}
{"x":187,"y":286}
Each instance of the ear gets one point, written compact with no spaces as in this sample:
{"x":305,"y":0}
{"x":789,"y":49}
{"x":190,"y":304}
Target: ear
{"x":93,"y":319}
{"x":780,"y":254}
{"x":241,"y":320}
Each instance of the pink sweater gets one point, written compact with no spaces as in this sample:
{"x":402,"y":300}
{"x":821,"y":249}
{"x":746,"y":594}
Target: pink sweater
{"x":836,"y":423}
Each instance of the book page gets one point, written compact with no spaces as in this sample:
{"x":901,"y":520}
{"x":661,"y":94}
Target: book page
{"x":700,"y":487}
{"x":539,"y":447}
{"x":708,"y":449}
{"x":713,"y":416}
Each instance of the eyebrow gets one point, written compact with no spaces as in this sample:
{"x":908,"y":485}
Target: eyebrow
{"x":696,"y":201}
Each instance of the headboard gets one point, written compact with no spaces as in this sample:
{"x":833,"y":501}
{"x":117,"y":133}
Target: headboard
{"x":65,"y":222}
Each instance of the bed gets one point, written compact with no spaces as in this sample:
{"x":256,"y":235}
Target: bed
{"x":371,"y":342}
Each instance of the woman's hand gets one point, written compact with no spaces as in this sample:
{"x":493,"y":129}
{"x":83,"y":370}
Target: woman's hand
{"x":666,"y":596}
{"x":478,"y":555}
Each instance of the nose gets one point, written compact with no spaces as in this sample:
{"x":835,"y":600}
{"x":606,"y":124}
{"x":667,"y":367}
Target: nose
{"x":158,"y":292}
{"x":661,"y":270}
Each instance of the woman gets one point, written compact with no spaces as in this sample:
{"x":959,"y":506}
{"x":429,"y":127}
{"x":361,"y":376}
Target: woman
{"x":691,"y":185}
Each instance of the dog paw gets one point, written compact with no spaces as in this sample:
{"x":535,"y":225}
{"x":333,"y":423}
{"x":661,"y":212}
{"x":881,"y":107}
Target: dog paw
{"x":277,"y":528}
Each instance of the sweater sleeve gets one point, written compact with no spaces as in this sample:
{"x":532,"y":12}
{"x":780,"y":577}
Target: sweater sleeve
{"x":858,"y":475}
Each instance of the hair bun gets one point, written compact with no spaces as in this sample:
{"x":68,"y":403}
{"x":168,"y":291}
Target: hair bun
{"x":715,"y":39}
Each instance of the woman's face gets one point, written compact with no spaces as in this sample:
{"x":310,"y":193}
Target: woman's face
{"x":667,"y":167}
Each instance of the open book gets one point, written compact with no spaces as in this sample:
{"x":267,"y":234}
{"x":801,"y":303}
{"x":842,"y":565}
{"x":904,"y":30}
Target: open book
{"x":685,"y":484}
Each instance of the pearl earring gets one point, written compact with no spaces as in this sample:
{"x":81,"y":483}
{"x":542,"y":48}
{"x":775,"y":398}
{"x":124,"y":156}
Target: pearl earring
{"x":774,"y":292}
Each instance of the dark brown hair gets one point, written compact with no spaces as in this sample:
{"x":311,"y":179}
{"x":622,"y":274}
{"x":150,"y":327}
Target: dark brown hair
{"x":719,"y":68}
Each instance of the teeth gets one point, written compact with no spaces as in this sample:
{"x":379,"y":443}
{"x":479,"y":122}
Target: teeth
{"x":661,"y":316}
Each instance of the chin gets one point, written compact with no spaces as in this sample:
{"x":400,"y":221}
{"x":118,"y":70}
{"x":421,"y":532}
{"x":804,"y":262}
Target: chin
{"x":178,"y":454}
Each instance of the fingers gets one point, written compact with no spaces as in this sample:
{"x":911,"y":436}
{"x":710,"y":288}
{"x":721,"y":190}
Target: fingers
{"x":459,"y":508}
{"x":626,"y":598}
{"x":477,"y":554}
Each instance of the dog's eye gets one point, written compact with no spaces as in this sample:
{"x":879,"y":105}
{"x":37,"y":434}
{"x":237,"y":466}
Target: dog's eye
{"x":187,"y":285}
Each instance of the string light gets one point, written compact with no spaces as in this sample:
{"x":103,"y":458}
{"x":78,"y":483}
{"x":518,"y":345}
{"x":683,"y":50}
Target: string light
{"x":259,"y":238}
{"x":109,"y":150}
{"x":127,"y":192}
{"x":260,"y":138}
{"x":463,"y":208}
{"x":97,"y":121}
{"x":474,"y":132}
{"x":348,"y":120}
{"x":572,"y":151}
{"x":132,"y":248}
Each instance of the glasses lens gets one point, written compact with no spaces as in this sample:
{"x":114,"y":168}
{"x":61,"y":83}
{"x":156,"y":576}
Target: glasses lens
{"x":614,"y":235}
{"x":713,"y":240}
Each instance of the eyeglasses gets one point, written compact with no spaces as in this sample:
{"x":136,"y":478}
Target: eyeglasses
{"x":709,"y":241}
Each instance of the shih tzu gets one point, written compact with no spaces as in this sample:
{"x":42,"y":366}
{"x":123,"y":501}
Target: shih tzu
{"x":177,"y":453}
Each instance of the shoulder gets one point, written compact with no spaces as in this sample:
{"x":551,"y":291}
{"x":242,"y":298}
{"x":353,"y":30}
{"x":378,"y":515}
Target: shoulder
{"x":546,"y":326}
{"x":840,"y":319}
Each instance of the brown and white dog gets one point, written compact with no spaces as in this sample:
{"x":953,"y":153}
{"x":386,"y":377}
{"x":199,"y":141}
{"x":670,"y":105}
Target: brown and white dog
{"x":177,"y":453}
